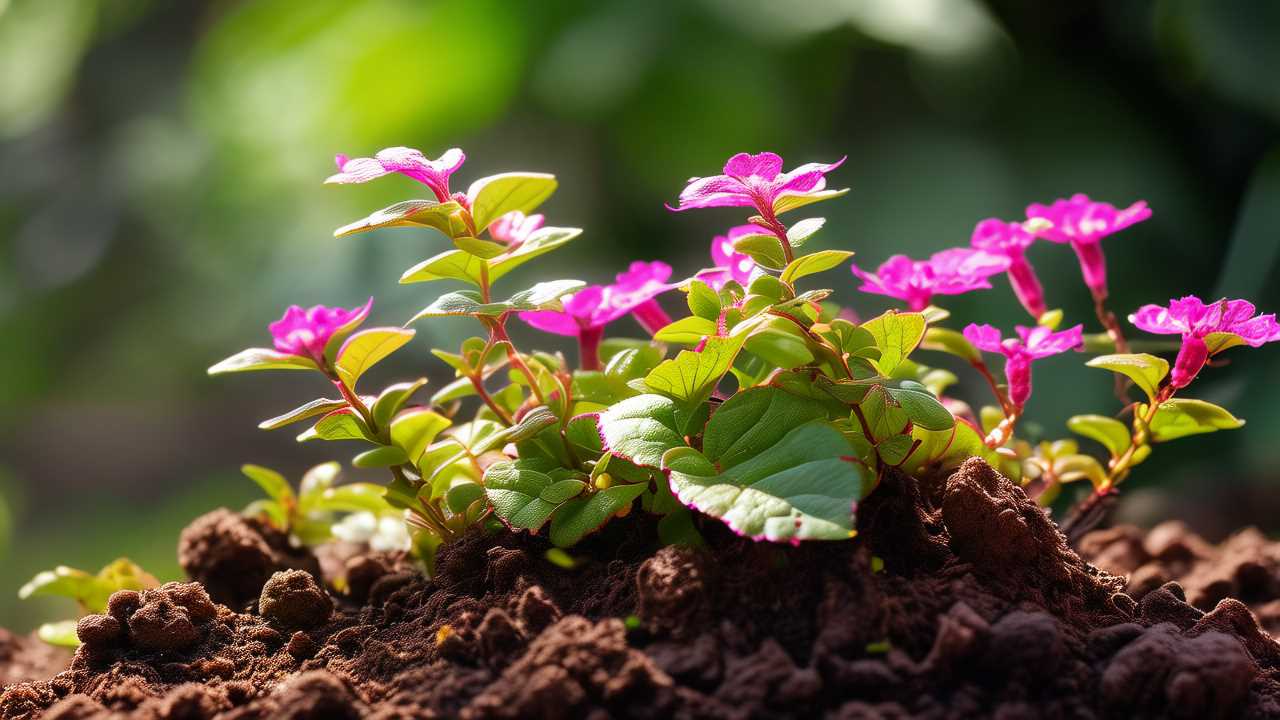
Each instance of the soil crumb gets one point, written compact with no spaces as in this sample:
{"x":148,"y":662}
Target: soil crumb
{"x":960,"y":599}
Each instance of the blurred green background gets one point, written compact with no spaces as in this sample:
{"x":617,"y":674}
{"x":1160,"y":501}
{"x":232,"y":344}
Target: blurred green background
{"x":161,"y":201}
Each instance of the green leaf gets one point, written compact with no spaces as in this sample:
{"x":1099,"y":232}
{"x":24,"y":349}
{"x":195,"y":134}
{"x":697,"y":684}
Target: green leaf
{"x":515,"y":491}
{"x":408,"y":213}
{"x":950,"y":341}
{"x":563,"y":491}
{"x":781,"y":343}
{"x":483,"y":249}
{"x":271,"y":482}
{"x":385,"y":456}
{"x":641,"y":429}
{"x":766,"y":250}
{"x":319,"y":406}
{"x":788,"y":201}
{"x":262,"y":359}
{"x":460,"y":496}
{"x":448,"y":265}
{"x":800,"y":233}
{"x":353,"y":497}
{"x":769,"y":287}
{"x":1182,"y":417}
{"x":494,"y":196}
{"x":1112,"y":433}
{"x":1216,"y":342}
{"x":578,"y":517}
{"x":686,"y":331}
{"x":814,"y":263}
{"x":543,"y":296}
{"x":753,"y":419}
{"x":367,"y":348}
{"x":921,"y":406}
{"x":540,"y":242}
{"x":703,"y":301}
{"x":341,"y":424}
{"x":790,"y":483}
{"x":392,"y":399}
{"x":690,"y":377}
{"x":458,"y":265}
{"x":897,"y":335}
{"x":61,"y":633}
{"x":61,"y":581}
{"x":1145,"y":370}
{"x":414,"y":430}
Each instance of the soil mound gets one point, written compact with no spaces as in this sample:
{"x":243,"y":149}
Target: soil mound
{"x":960,"y":600}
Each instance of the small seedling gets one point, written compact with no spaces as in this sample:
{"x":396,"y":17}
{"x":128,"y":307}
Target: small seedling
{"x":89,"y":590}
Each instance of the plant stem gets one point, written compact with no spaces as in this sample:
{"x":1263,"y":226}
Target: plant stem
{"x":589,"y":347}
{"x":478,"y":383}
{"x":1112,"y":325}
{"x":981,"y":366}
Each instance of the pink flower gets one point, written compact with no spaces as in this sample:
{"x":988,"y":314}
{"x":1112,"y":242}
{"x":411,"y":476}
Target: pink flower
{"x":729,"y":263}
{"x":950,"y":272}
{"x":1011,"y":240}
{"x":514,"y":228}
{"x":754,"y":181}
{"x":589,"y":310}
{"x":406,"y":161}
{"x":1232,"y":321}
{"x":306,"y":332}
{"x":1084,"y":223}
{"x":1031,"y":344}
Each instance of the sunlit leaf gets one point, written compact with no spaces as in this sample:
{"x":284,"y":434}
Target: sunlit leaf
{"x":578,"y":517}
{"x":496,"y":195}
{"x":686,"y":331}
{"x":641,"y":429}
{"x":341,"y":424}
{"x":380,"y":457}
{"x":414,"y":430}
{"x":483,"y":249}
{"x":391,"y":400}
{"x":408,"y":213}
{"x":950,"y":341}
{"x":262,"y":359}
{"x":897,"y":335}
{"x":1145,"y":370}
{"x":814,"y":263}
{"x":1111,"y":433}
{"x":765,"y":250}
{"x":690,"y":377}
{"x":271,"y":482}
{"x":788,"y":201}
{"x":366,"y":348}
{"x":799,"y":233}
{"x":1182,"y":417}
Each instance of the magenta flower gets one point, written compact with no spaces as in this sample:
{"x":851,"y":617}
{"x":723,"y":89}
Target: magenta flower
{"x":754,"y":181}
{"x":1084,"y":223}
{"x":729,"y":264}
{"x":950,"y":272}
{"x":1011,"y":240}
{"x":1031,"y":344}
{"x":1206,"y":330}
{"x":307,"y":332}
{"x":514,"y":228}
{"x":406,"y":161}
{"x":587,"y":311}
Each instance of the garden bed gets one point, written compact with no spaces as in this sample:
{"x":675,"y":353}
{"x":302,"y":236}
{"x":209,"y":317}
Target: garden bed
{"x":961,"y":599}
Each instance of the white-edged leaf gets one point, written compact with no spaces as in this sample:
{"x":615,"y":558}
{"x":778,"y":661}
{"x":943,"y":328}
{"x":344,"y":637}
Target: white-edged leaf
{"x":262,"y":359}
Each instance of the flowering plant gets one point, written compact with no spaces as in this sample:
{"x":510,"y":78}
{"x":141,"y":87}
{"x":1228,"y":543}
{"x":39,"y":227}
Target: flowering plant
{"x":765,"y":406}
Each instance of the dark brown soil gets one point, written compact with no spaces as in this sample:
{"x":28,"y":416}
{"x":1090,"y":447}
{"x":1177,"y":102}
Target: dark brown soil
{"x":960,"y":600}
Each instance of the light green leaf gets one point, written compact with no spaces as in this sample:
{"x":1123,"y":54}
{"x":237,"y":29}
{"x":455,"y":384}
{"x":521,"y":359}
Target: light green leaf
{"x":766,"y":250}
{"x":814,"y":263}
{"x":392,"y":399}
{"x":1218,"y":341}
{"x":641,"y":429}
{"x":754,"y":419}
{"x":494,"y":196}
{"x":483,"y":249}
{"x":381,"y":457}
{"x":780,"y":343}
{"x":563,"y":490}
{"x":448,"y":265}
{"x":262,"y":359}
{"x":319,"y":406}
{"x":409,"y":213}
{"x":703,"y":301}
{"x":950,"y":341}
{"x":788,"y":201}
{"x":61,"y":633}
{"x":414,"y":430}
{"x":515,"y":491}
{"x":897,"y":335}
{"x":1145,"y":370}
{"x":1111,"y":433}
{"x":353,"y":497}
{"x":690,"y":377}
{"x":341,"y":424}
{"x":578,"y":517}
{"x":791,"y":483}
{"x":686,"y":331}
{"x":800,"y":233}
{"x":540,"y":242}
{"x":1182,"y":417}
{"x":543,"y":296}
{"x":921,"y":406}
{"x":366,"y":348}
{"x":462,"y":494}
{"x":271,"y":482}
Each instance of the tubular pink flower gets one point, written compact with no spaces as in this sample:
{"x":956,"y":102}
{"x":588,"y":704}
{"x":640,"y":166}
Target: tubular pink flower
{"x":1225,"y":323}
{"x":1011,"y":240}
{"x":306,"y":332}
{"x":949,"y":272}
{"x":589,"y":310}
{"x":406,"y":161}
{"x":729,"y":263}
{"x":1031,"y":344}
{"x":1084,"y":223}
{"x":514,"y":228}
{"x":753,"y":181}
